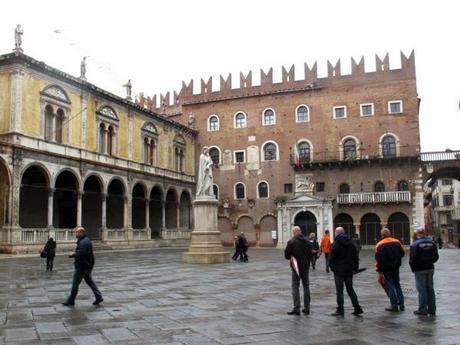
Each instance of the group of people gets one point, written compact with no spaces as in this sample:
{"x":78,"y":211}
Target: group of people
{"x":241,"y":248}
{"x":342,"y":258}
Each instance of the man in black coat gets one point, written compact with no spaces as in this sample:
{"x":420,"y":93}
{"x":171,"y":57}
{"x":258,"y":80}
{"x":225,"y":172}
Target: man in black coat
{"x":299,"y":252}
{"x":84,"y":263}
{"x":344,"y":261}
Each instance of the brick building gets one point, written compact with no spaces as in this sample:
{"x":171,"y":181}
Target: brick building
{"x":357,"y":138}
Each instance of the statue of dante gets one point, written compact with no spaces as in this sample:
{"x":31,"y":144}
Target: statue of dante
{"x":18,"y":37}
{"x":83,"y":68}
{"x":205,"y":180}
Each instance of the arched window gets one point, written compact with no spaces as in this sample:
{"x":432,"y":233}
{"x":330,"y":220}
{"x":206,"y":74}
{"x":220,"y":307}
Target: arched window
{"x":379,"y":187}
{"x":215,"y":155}
{"x":110,"y":141}
{"x":59,"y":125}
{"x":240,"y":191}
{"x":240,"y":120}
{"x":304,"y":151}
{"x":389,"y":146}
{"x":344,"y":188}
{"x":302,"y":114}
{"x":349,"y":149}
{"x":270,"y":152}
{"x":268,"y":117}
{"x":149,"y":135}
{"x":48,"y":122}
{"x":262,"y":190}
{"x":213,"y":123}
{"x":146,"y":150}
{"x":101,"y":138}
{"x":403,"y":185}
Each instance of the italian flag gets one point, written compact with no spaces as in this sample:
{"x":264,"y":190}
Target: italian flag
{"x":296,"y":155}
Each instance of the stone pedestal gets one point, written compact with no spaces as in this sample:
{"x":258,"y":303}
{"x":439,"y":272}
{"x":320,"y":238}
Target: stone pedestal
{"x":206,"y":246}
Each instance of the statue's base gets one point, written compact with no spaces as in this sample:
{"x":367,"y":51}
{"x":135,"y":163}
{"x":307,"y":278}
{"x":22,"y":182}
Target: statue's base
{"x":206,"y":246}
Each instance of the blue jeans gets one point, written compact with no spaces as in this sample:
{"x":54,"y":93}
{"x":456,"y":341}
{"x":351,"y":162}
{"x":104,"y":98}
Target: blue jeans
{"x":426,"y":296}
{"x":295,"y":290}
{"x":78,"y":276}
{"x":394,"y":288}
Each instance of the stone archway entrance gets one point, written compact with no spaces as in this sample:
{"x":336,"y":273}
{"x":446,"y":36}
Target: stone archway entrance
{"x":307,"y":222}
{"x":92,"y":207}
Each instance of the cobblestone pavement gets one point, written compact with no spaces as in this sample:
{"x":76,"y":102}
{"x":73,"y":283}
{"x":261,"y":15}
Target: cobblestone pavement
{"x":152,"y":298}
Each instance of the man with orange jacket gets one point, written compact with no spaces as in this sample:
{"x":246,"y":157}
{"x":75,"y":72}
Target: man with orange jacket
{"x":388,"y":254}
{"x":325,"y":248}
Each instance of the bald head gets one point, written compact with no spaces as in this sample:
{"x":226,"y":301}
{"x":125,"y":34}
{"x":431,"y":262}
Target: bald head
{"x":296,"y":231}
{"x":339,"y":230}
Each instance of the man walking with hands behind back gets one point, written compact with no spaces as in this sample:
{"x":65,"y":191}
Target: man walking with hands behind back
{"x":84,"y":263}
{"x":388,"y":254}
{"x":299,"y":251}
{"x":344,"y":261}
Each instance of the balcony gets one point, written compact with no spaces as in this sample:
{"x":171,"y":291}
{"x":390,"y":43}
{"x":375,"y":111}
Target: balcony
{"x":439,"y":156}
{"x":373,"y":198}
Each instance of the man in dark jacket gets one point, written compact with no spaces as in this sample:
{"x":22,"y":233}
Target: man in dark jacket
{"x":344,"y":261}
{"x":84,"y":263}
{"x":50,"y":250}
{"x":388,"y":254}
{"x":299,"y":252}
{"x":423,"y":255}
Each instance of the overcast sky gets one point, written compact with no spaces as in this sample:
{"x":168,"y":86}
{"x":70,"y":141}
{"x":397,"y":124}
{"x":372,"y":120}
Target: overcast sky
{"x":159,"y":44}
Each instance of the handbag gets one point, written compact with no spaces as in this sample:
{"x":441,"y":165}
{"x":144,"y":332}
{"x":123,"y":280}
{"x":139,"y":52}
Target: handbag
{"x":43,"y":254}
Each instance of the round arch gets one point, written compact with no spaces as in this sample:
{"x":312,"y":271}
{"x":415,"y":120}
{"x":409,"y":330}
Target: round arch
{"x":33,"y":197}
{"x":138,"y":205}
{"x":397,"y":143}
{"x":115,"y":204}
{"x":358,"y":146}
{"x":156,"y":211}
{"x":369,"y":230}
{"x":235,"y":196}
{"x":185,"y":210}
{"x":297,"y":111}
{"x":307,"y":221}
{"x":259,"y":190}
{"x":208,"y":123}
{"x":5,"y":183}
{"x":235,"y":124}
{"x":398,"y":224}
{"x":245,"y":224}
{"x":65,"y":199}
{"x":345,"y":221}
{"x":263,"y":116}
{"x":262,"y":151}
{"x":171,"y":208}
{"x":93,"y":186}
{"x":267,"y":224}
{"x":219,"y":160}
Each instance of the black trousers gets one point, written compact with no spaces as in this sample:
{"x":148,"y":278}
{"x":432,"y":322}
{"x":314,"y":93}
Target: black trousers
{"x":49,"y":263}
{"x":346,"y":280}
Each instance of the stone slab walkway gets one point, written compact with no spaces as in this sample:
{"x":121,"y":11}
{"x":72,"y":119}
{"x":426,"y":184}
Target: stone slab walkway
{"x":152,"y":298}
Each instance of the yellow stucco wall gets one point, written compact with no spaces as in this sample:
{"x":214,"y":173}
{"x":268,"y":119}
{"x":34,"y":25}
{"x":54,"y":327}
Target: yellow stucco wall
{"x":137,"y":140}
{"x":30,"y":121}
{"x":4,"y":102}
{"x":91,"y":144}
{"x":122,"y":133}
{"x":74,"y":119}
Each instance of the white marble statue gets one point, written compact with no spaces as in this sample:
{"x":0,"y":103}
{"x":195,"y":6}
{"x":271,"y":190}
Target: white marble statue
{"x":18,"y":37}
{"x":205,"y":180}
{"x":83,"y":68}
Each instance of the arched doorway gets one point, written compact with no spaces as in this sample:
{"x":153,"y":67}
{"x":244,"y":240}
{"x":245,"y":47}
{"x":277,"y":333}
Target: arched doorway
{"x":92,"y":207}
{"x":345,"y":221}
{"x":307,"y":222}
{"x":246,"y":225}
{"x":33,"y":198}
{"x":398,"y":223}
{"x":267,"y":224}
{"x":171,"y":209}
{"x":370,"y":229}
{"x":65,"y":200}
{"x":138,"y":207}
{"x":115,"y":205}
{"x":226,"y":231}
{"x":184,"y":210}
{"x":4,"y":194}
{"x":156,"y":212}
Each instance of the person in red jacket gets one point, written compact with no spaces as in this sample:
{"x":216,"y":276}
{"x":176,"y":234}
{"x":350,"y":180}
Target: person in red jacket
{"x":388,"y":254}
{"x":325,"y":248}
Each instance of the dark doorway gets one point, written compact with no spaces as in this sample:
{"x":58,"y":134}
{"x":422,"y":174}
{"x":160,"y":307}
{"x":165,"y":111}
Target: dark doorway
{"x":115,"y":205}
{"x":156,"y":212}
{"x":33,"y":199}
{"x":370,"y":229}
{"x":65,"y":201}
{"x":398,"y":223}
{"x":138,"y":207}
{"x":307,"y":222}
{"x":345,"y":221}
{"x":185,"y":209}
{"x":92,"y":207}
{"x":171,"y":210}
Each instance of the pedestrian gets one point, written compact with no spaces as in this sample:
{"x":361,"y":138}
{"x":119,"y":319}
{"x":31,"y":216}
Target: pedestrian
{"x":423,"y":255}
{"x":299,"y":251}
{"x":357,"y":242}
{"x":243,"y":245}
{"x":344,"y":262}
{"x":440,"y":241}
{"x":315,"y":249}
{"x":325,"y":247}
{"x":84,"y":263}
{"x":388,"y":254}
{"x":237,"y":253}
{"x":50,"y":251}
